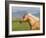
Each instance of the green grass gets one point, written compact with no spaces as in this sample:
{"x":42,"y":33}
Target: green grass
{"x":16,"y":26}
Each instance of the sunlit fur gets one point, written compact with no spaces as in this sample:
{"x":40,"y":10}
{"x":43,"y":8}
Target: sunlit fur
{"x":34,"y":21}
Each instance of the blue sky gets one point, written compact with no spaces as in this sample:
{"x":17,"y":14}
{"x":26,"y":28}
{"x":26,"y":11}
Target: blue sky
{"x":20,"y":11}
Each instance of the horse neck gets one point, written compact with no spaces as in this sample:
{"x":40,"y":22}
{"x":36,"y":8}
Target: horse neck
{"x":33,"y":19}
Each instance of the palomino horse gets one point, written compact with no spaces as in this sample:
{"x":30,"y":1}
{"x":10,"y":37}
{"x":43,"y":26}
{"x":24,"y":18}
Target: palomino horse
{"x":33,"y":21}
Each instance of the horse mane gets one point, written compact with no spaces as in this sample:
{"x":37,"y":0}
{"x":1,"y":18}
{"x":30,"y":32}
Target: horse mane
{"x":36,"y":18}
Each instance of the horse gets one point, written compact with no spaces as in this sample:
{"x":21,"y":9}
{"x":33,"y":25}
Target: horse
{"x":33,"y":21}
